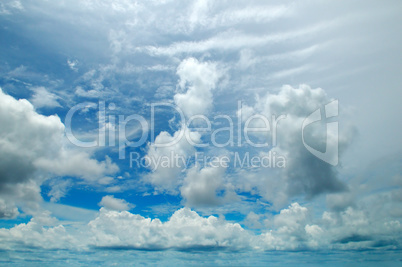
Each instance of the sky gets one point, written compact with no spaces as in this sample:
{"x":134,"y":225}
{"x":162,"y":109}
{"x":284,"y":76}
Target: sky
{"x":200,"y":125}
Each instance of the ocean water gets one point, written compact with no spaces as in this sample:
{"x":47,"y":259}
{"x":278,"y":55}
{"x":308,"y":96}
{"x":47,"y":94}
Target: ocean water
{"x":124,"y":257}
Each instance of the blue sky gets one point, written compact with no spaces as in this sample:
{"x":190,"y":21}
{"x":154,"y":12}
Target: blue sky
{"x":186,"y":124}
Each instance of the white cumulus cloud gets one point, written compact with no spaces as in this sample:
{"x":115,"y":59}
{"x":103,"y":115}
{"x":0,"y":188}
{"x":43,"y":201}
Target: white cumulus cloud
{"x":201,"y":79}
{"x":33,"y":148}
{"x":112,"y":203}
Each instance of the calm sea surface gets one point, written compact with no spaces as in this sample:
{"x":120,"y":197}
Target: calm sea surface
{"x":121,"y":257}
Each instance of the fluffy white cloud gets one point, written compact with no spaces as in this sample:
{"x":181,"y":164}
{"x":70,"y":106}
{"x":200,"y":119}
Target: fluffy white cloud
{"x":33,"y":148}
{"x":201,"y":79}
{"x":184,"y":230}
{"x":289,"y":220}
{"x":206,"y":187}
{"x":112,"y":203}
{"x":168,"y":161}
{"x":41,"y":231}
{"x":294,"y":228}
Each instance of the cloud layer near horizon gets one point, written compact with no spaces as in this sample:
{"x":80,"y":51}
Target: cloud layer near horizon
{"x":292,"y":229}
